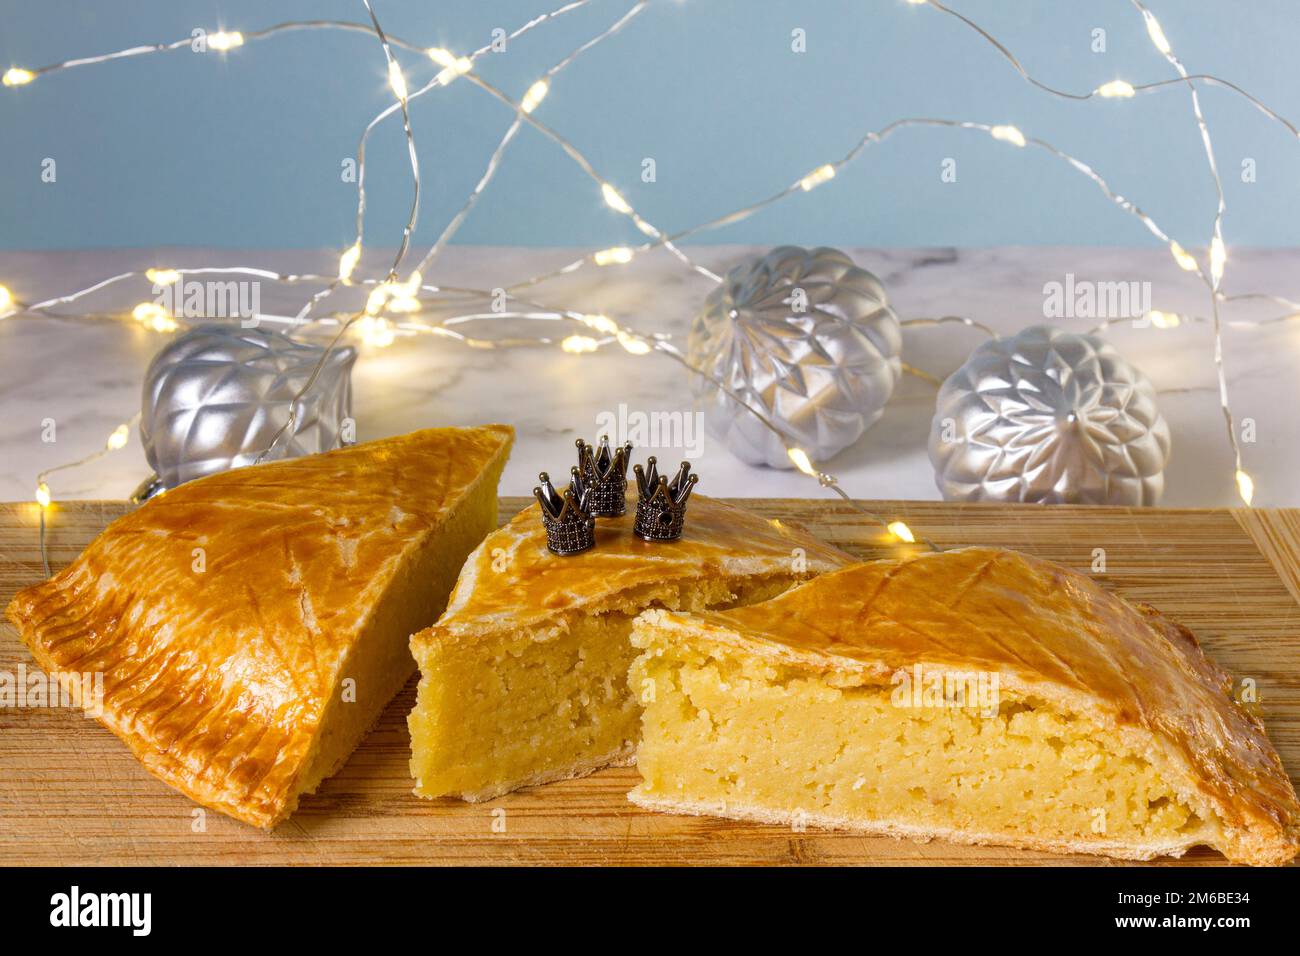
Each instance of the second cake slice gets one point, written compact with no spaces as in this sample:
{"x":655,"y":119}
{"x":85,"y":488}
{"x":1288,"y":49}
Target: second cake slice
{"x":978,"y":695}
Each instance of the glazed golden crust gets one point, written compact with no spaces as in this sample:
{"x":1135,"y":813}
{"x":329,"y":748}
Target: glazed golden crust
{"x":512,"y":581}
{"x":217,"y":675}
{"x":1052,"y":633}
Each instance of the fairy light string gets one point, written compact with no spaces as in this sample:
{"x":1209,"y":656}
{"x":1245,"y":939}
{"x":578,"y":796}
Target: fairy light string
{"x":533,"y":96}
{"x":117,"y":438}
{"x":1217,"y":249}
{"x":454,"y":67}
{"x":523,"y":110}
{"x":379,"y":296}
{"x":1114,"y":89}
{"x":620,"y":255}
{"x":397,"y":81}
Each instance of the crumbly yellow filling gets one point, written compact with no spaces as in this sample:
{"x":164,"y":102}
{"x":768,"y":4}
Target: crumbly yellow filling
{"x":727,"y":731}
{"x":499,"y":711}
{"x":380,"y":663}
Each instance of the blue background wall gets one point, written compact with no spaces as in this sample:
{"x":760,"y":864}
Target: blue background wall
{"x":245,"y":150}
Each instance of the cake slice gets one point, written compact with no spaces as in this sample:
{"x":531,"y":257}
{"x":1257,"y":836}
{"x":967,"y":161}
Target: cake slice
{"x":251,"y":625}
{"x":524,"y":679}
{"x":979,"y":695}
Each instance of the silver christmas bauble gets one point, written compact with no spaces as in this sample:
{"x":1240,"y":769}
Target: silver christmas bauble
{"x":1049,"y":416}
{"x":216,"y":396}
{"x":804,"y":336}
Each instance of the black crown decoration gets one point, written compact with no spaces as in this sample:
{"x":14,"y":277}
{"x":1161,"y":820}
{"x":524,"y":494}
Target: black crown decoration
{"x":598,"y":488}
{"x":661,"y":504}
{"x":570,"y":527}
{"x":604,"y":476}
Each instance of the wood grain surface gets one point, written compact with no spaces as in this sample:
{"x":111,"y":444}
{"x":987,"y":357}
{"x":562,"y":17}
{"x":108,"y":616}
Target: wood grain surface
{"x":71,"y":793}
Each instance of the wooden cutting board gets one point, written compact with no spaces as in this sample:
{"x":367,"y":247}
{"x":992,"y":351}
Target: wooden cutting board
{"x":70,"y":793}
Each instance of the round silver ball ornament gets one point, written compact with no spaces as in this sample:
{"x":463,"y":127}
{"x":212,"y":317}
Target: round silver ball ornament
{"x":1049,"y":416}
{"x":214,"y":398}
{"x":806,"y":337}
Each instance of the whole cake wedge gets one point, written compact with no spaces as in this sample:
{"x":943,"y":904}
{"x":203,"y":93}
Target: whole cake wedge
{"x":251,"y":625}
{"x":978,"y":695}
{"x":524,"y":678}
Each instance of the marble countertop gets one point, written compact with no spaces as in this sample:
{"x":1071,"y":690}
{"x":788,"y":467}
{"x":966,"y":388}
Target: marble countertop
{"x":86,"y":375}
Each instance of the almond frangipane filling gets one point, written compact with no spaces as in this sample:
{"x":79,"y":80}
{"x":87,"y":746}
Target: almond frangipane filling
{"x":524,"y":679}
{"x":1108,"y":729}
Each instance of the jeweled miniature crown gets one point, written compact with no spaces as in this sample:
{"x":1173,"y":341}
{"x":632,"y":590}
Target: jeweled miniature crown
{"x":570,"y":528}
{"x":661,"y":504}
{"x":604,"y":475}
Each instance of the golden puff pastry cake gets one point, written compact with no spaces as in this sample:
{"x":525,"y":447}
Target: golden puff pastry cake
{"x":251,"y":625}
{"x":979,"y":695}
{"x":524,"y":679}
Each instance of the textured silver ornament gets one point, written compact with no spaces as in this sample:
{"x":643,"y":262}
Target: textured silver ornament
{"x":806,"y":337}
{"x":216,"y":396}
{"x":1049,"y":416}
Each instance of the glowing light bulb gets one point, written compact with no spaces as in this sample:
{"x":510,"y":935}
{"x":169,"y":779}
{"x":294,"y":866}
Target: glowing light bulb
{"x":396,"y":296}
{"x":1218,"y":258}
{"x":153,"y":316}
{"x":396,"y":80}
{"x":1008,"y":134}
{"x":162,"y":276}
{"x":614,"y":200}
{"x":601,"y":323}
{"x":376,"y":332}
{"x":818,"y":176}
{"x":43,"y":494}
{"x":410,"y":287}
{"x":1245,"y":486}
{"x":118,"y":439}
{"x":17,"y":76}
{"x":377,"y":299}
{"x":1164,"y":320}
{"x":404,"y":304}
{"x":902,"y":532}
{"x":453,"y":66}
{"x":223,"y":41}
{"x":633,"y":343}
{"x":1185,"y":259}
{"x":348,"y":261}
{"x":801,"y":461}
{"x":1155,"y":32}
{"x":618,"y":255}
{"x":1116,"y":90}
{"x":533,"y":98}
{"x":6,"y":298}
{"x":577,"y":344}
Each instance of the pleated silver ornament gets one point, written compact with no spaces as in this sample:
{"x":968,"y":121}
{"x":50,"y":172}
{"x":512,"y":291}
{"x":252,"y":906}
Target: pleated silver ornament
{"x":216,"y":396}
{"x":806,"y":337}
{"x":1049,"y":416}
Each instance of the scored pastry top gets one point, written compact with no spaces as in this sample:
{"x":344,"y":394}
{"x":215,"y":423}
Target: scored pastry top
{"x":222,"y":612}
{"x":511,"y":580}
{"x":1049,"y":632}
